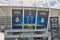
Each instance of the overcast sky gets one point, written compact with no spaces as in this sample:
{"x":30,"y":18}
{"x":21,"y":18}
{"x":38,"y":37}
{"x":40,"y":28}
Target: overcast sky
{"x":40,"y":3}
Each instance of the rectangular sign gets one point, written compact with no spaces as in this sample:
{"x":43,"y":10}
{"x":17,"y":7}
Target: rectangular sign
{"x":54,"y":22}
{"x":30,"y":19}
{"x":42,"y":19}
{"x":16,"y":19}
{"x":54,"y":28}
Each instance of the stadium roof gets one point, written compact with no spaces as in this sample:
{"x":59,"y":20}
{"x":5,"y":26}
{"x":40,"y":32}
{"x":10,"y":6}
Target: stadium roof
{"x":32,"y":3}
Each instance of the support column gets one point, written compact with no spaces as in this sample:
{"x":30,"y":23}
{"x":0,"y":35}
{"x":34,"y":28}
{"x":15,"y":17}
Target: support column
{"x":30,"y":38}
{"x":16,"y":39}
{"x":49,"y":38}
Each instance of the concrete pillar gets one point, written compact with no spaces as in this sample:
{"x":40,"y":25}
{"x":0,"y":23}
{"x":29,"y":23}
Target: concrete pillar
{"x":16,"y":39}
{"x":30,"y":38}
{"x":49,"y":38}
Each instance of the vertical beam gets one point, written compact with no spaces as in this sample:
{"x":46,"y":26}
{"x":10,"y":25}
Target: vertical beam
{"x":23,"y":17}
{"x":16,"y":39}
{"x":49,"y":38}
{"x":11,"y":17}
{"x":36,"y":14}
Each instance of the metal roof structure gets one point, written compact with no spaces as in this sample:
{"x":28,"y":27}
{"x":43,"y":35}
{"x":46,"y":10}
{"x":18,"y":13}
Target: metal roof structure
{"x":32,"y":3}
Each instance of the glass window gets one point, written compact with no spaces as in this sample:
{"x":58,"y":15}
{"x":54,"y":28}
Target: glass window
{"x":17,"y":27}
{"x":39,"y":32}
{"x":27,"y":33}
{"x":40,"y":38}
{"x":9,"y":38}
{"x":41,"y":27}
{"x":55,"y":38}
{"x":16,"y":33}
{"x":9,"y":33}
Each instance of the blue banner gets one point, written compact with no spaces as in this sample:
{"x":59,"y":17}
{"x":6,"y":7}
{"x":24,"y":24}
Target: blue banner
{"x":29,"y":19}
{"x":17,"y":19}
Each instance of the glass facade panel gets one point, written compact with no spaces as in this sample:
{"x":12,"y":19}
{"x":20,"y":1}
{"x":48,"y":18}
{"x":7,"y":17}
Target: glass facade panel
{"x":9,"y":33}
{"x":27,"y":33}
{"x":39,"y":32}
{"x":9,"y":38}
{"x":40,"y":38}
{"x":16,"y":33}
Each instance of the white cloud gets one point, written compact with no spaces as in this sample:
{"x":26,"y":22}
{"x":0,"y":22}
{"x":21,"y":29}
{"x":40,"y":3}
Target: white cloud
{"x":5,"y":2}
{"x":17,"y":2}
{"x":42,"y":3}
{"x":29,"y":2}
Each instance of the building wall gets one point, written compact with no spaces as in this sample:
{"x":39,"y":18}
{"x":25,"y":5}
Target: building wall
{"x":6,"y":15}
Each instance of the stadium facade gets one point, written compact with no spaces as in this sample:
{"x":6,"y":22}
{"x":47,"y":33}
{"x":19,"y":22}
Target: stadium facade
{"x":30,"y":23}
